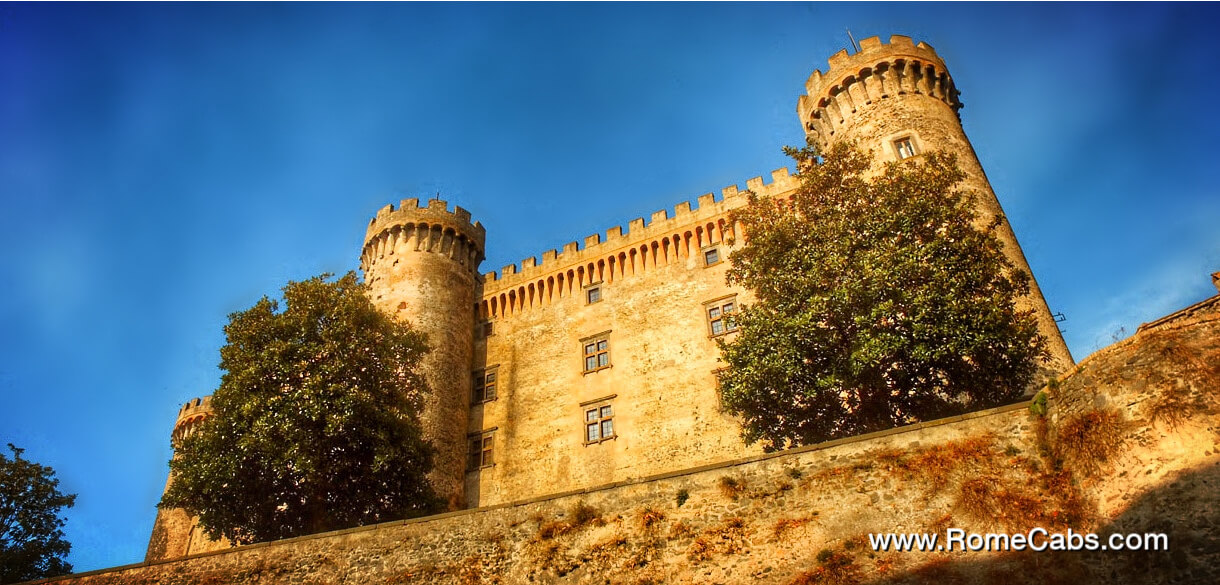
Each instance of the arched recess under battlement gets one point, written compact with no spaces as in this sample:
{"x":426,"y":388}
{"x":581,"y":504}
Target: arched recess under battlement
{"x":663,"y":250}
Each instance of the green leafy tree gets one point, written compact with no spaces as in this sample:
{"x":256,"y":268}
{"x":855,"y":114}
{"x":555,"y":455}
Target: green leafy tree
{"x":32,"y":544}
{"x":316,"y":421}
{"x":880,"y":302}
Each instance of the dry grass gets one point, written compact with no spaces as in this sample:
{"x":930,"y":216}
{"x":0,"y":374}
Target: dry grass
{"x":1054,"y":501}
{"x":1202,"y":372}
{"x":731,"y":487}
{"x":1171,"y":406}
{"x":783,"y":525}
{"x":885,"y":566}
{"x":649,"y":518}
{"x":938,"y":464}
{"x":834,"y":568}
{"x":726,"y":539}
{"x":553,"y":529}
{"x":990,"y":500}
{"x":1042,"y":436}
{"x":578,"y":517}
{"x":680,"y":529}
{"x":607,"y":549}
{"x":1088,"y":441}
{"x":583,"y":513}
{"x":471,"y":573}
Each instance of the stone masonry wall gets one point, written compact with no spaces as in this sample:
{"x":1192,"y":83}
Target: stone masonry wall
{"x":764,"y":519}
{"x":655,"y":286}
{"x":1130,"y":442}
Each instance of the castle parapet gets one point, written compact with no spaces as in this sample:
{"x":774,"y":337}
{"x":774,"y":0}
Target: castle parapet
{"x":878,"y":71}
{"x":659,"y":223}
{"x":429,"y":228}
{"x":190,"y":416}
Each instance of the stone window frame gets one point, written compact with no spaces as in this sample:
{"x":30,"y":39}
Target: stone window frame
{"x":703,"y":255}
{"x":719,"y":304}
{"x":597,"y":415}
{"x":895,"y":142}
{"x":594,"y":288}
{"x":716,"y":380}
{"x":480,"y":385}
{"x":601,"y":347}
{"x":480,"y":450}
{"x":486,"y":329}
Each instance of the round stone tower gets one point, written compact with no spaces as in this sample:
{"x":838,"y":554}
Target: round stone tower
{"x":899,"y":101}
{"x":175,"y":533}
{"x":421,"y":265}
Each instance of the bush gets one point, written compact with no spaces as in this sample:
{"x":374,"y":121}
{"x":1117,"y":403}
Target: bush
{"x":1088,"y":441}
{"x":731,"y":487}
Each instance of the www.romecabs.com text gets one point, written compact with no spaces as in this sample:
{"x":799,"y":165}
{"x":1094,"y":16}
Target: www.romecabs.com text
{"x":1037,"y":539}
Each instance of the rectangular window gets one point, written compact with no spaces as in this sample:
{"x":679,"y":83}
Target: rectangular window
{"x":711,"y":256}
{"x":596,"y":353}
{"x":480,"y":452}
{"x":485,"y":329}
{"x":904,"y":147}
{"x":484,"y":387}
{"x":720,"y":315}
{"x":599,"y":423}
{"x":593,"y":294}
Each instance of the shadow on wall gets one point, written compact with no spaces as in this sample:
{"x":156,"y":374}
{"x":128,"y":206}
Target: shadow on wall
{"x":1187,"y":509}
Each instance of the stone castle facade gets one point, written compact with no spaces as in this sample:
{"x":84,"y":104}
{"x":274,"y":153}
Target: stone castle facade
{"x":596,"y":364}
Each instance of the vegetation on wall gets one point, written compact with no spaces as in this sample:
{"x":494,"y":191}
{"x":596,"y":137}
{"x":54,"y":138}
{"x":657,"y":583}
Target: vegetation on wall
{"x":32,"y":544}
{"x":880,"y":303}
{"x":316,"y":421}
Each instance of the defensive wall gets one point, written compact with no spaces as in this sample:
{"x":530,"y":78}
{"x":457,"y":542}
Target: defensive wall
{"x":803,"y":515}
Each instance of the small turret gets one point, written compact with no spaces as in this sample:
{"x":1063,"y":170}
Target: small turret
{"x":175,"y":534}
{"x":421,"y":265}
{"x":898,"y":101}
{"x":190,"y":416}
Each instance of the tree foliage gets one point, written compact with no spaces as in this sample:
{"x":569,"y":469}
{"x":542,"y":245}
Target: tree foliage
{"x":32,"y":544}
{"x":316,"y":421}
{"x":880,"y":302}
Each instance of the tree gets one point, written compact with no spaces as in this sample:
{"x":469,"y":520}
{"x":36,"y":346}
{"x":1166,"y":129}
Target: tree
{"x":315,"y":424}
{"x":32,"y":546}
{"x":880,"y":302}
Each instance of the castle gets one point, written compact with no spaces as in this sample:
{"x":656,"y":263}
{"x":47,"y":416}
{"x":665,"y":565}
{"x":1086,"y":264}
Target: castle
{"x":596,"y":364}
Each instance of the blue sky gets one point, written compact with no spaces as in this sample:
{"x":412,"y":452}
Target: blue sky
{"x":162,"y":166}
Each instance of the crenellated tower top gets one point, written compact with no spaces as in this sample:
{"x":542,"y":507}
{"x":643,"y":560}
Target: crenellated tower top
{"x":878,"y":72}
{"x":190,"y":416}
{"x":432,"y":227}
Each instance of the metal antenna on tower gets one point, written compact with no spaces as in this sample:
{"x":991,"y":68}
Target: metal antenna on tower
{"x":855,"y":48}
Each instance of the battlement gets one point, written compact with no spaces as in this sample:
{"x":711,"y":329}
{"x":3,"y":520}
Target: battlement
{"x":434,"y":211}
{"x":190,"y":416}
{"x":878,"y":71}
{"x":455,"y":234}
{"x":195,"y":409}
{"x":659,"y":223}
